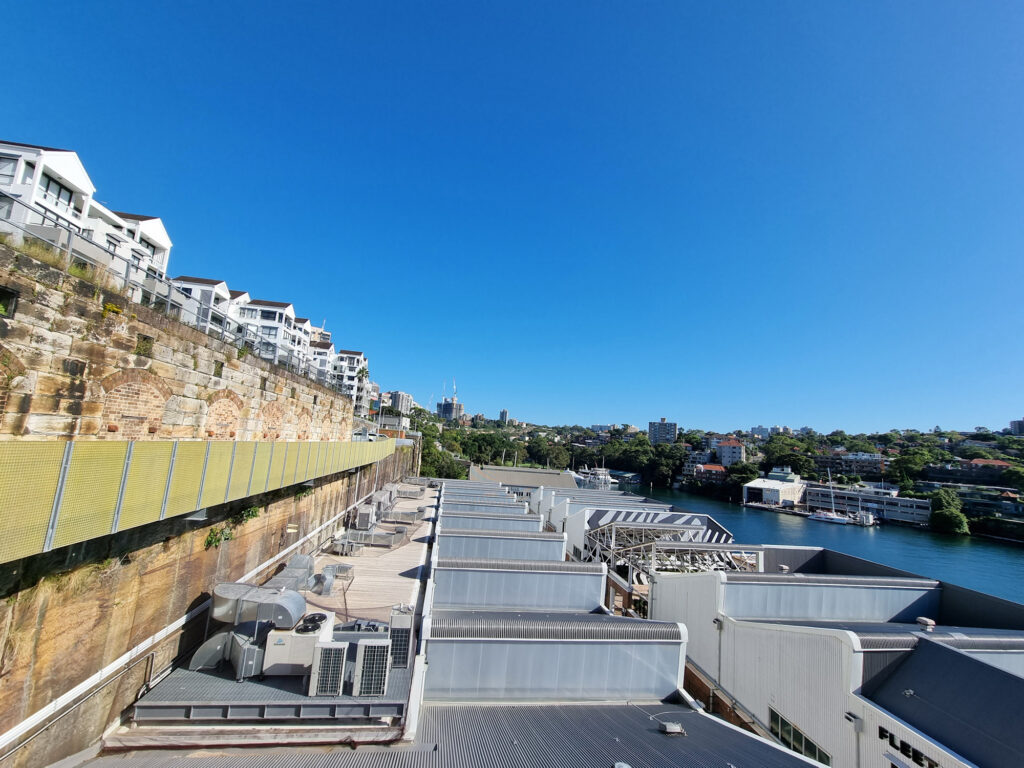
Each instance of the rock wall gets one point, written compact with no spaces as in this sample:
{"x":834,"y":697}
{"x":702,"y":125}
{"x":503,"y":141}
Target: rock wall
{"x":78,"y":362}
{"x":58,"y":626}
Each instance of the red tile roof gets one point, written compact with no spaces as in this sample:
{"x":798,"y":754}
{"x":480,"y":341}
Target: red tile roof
{"x":711,"y":468}
{"x":990,"y":463}
{"x":731,"y":443}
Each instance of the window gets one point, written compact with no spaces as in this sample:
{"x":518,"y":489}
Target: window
{"x":6,"y":208}
{"x":268,"y":331}
{"x":55,"y":193}
{"x":186,"y":291}
{"x":148,"y":246}
{"x":794,"y":739}
{"x":28,"y":172}
{"x":266,"y":314}
{"x":7,"y":166}
{"x":247,"y":312}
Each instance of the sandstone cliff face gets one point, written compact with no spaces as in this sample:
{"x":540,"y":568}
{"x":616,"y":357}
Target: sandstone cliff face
{"x":77,"y":362}
{"x":58,"y":626}
{"x":80,"y":363}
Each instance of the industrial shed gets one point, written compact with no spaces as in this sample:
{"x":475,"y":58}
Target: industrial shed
{"x":501,"y":545}
{"x":506,"y":656}
{"x":526,"y":585}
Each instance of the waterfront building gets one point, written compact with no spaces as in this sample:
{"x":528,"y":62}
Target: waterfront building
{"x":781,"y":493}
{"x":906,"y":671}
{"x":401,"y":401}
{"x":730,"y":451}
{"x":693,"y":460}
{"x":43,"y":189}
{"x":662,"y":431}
{"x":710,"y":473}
{"x":881,"y":501}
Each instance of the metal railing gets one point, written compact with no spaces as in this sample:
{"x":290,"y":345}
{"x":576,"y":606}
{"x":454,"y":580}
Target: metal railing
{"x":35,"y":233}
{"x":85,"y":490}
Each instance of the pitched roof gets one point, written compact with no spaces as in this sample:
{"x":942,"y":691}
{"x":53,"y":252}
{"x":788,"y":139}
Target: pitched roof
{"x":731,"y":443}
{"x":320,"y":345}
{"x":266,"y":303}
{"x":301,"y":319}
{"x":236,"y":294}
{"x":347,"y":352}
{"x":198,"y":280}
{"x":711,"y":468}
{"x":990,"y":463}
{"x":134,"y":216}
{"x":34,"y":146}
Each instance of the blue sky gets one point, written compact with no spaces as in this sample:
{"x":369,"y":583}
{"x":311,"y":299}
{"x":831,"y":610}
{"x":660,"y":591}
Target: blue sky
{"x":722,"y":213}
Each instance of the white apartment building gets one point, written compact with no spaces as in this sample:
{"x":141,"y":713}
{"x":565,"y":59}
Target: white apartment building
{"x":273,"y":325}
{"x":401,"y":401}
{"x":347,"y":366}
{"x":730,"y":451}
{"x":321,"y":359}
{"x":211,"y":311}
{"x":56,"y":192}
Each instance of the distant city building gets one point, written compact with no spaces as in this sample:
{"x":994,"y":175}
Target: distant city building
{"x":401,"y":401}
{"x":629,"y":429}
{"x":450,"y":409}
{"x":761,"y":432}
{"x":777,"y":430}
{"x":397,"y":423}
{"x":730,"y":452}
{"x":503,"y":416}
{"x":1017,"y":427}
{"x":856,"y":463}
{"x":662,"y":431}
{"x":602,"y":427}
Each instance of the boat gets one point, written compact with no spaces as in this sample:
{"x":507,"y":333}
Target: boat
{"x":597,"y":478}
{"x":824,"y":516}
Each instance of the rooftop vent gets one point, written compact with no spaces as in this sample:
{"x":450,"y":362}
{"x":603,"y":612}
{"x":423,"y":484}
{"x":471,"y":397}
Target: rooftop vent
{"x":783,"y":569}
{"x":926,"y":624}
{"x":671,"y":728}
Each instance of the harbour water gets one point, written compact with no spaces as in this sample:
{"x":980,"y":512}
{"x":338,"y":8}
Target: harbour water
{"x":982,"y":564}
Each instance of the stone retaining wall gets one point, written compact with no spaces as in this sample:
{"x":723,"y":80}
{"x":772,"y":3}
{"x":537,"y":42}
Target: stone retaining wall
{"x":78,"y":362}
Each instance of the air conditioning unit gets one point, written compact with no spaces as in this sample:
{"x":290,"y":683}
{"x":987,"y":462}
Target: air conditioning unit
{"x":365,"y":518}
{"x":328,"y":673}
{"x":373,"y":662}
{"x":401,"y":635}
{"x":291,"y":651}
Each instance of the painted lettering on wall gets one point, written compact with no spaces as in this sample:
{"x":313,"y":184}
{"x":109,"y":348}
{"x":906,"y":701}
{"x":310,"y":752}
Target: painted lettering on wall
{"x":906,"y":749}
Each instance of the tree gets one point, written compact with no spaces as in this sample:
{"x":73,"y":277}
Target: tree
{"x":742,"y":472}
{"x":1013,"y":477}
{"x":946,"y":516}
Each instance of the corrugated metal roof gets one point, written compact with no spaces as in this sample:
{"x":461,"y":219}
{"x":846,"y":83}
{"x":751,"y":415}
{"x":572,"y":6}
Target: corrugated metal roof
{"x":503,"y":534}
{"x":965,"y":704}
{"x":548,"y":626}
{"x":552,"y":566}
{"x":817,"y":578}
{"x":553,"y":736}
